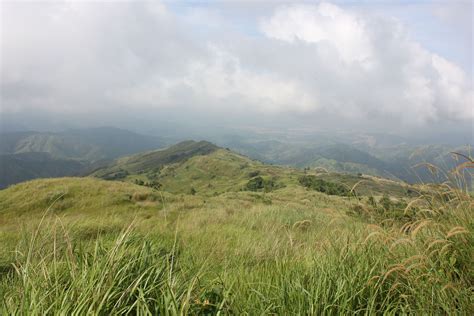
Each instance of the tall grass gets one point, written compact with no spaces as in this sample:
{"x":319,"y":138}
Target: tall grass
{"x":268,"y":260}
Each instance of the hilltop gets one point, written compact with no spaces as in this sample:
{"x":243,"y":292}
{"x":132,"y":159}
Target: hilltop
{"x":204,"y":168}
{"x":154,"y":159}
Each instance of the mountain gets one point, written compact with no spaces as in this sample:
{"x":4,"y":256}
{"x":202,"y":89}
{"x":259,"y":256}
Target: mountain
{"x":369,"y":154}
{"x":81,"y":144}
{"x":30,"y":155}
{"x":204,"y":168}
{"x":156,"y":159}
{"x":334,"y":157}
{"x":20,"y":167}
{"x":373,"y":154}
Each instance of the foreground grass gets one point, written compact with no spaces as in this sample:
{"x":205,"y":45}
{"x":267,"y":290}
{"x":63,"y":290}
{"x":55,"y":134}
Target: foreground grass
{"x":291,"y":251}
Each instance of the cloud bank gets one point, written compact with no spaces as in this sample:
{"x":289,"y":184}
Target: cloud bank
{"x":311,"y":61}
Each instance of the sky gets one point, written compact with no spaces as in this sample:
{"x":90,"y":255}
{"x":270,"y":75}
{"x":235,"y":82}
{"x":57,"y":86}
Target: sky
{"x":394,"y":66}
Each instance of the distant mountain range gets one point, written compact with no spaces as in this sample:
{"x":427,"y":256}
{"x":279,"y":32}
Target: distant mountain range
{"x":29,"y":155}
{"x":20,"y":167}
{"x":80,"y":144}
{"x":386,"y":157}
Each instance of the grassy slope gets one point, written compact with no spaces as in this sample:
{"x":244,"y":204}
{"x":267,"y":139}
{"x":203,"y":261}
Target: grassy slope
{"x":91,"y":210}
{"x":288,"y":251}
{"x":154,"y":160}
{"x":218,"y":172}
{"x":211,"y":171}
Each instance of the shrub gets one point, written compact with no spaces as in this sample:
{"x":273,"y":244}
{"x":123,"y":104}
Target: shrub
{"x":121,"y":174}
{"x":255,"y":184}
{"x":139,"y":182}
{"x":261,"y":184}
{"x":331,"y":188}
{"x":154,"y":185}
{"x":253,"y":174}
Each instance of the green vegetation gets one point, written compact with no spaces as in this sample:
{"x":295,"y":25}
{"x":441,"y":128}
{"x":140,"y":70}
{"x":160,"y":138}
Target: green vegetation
{"x":211,"y":170}
{"x":202,"y":244}
{"x":155,"y":160}
{"x":152,"y":184}
{"x":214,"y":173}
{"x":369,"y":185}
{"x":261,"y":184}
{"x":80,"y":152}
{"x":320,"y":185}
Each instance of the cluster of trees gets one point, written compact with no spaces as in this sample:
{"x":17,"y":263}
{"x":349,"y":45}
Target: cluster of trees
{"x":121,"y":174}
{"x":261,"y":184}
{"x":152,"y":184}
{"x":320,"y":185}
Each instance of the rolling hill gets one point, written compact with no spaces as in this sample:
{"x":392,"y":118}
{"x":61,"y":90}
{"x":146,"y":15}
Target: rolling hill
{"x":372,"y":154}
{"x":155,"y":159}
{"x":203,"y":168}
{"x":198,"y":229}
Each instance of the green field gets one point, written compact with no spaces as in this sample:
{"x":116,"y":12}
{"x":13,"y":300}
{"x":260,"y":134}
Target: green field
{"x":91,"y":246}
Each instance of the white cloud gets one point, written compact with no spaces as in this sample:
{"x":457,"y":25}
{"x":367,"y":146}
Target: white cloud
{"x":220,"y":81}
{"x":319,"y":24}
{"x":310,"y":60}
{"x":377,"y":67}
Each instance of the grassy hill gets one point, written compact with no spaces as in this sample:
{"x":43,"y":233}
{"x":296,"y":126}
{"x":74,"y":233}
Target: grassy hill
{"x":154,"y":160}
{"x":87,"y":245}
{"x":203,"y":168}
{"x":198,"y":229}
